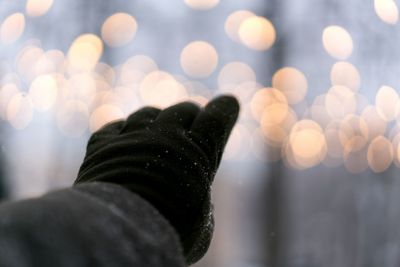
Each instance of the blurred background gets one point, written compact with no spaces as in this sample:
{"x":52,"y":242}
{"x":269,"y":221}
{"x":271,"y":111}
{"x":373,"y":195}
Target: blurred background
{"x":310,"y":173}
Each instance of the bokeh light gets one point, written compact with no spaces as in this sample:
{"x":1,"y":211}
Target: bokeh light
{"x":43,"y":92}
{"x":233,"y":23}
{"x":199,"y":59}
{"x":85,"y":52}
{"x":12,"y":28}
{"x":387,"y":103}
{"x":292,"y":83}
{"x":201,"y":4}
{"x":37,"y":8}
{"x":380,"y":154}
{"x":234,"y":74}
{"x":257,"y":33}
{"x":345,"y":74}
{"x":119,"y":29}
{"x":103,"y":115}
{"x":387,"y":11}
{"x":20,"y":111}
{"x":337,"y":42}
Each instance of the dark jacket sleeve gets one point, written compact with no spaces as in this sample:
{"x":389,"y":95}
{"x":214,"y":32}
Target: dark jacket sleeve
{"x":94,"y":224}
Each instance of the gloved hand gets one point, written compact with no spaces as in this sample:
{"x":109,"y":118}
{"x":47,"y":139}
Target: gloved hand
{"x":169,"y":157}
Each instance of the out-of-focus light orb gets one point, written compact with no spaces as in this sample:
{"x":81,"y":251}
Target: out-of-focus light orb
{"x":264,"y":98}
{"x":234,"y":74}
{"x":135,"y":69}
{"x":276,"y":122}
{"x":257,"y":33}
{"x":345,"y":74}
{"x":85,"y":52}
{"x":233,"y":22}
{"x":292,"y":83}
{"x":103,"y":115}
{"x":37,"y":8}
{"x":337,"y":42}
{"x":81,"y":87}
{"x":20,"y":111}
{"x":12,"y":28}
{"x":308,"y":144}
{"x":73,"y":118}
{"x":340,"y":101}
{"x":202,"y":4}
{"x":380,"y":154}
{"x":161,"y":89}
{"x":376,"y":124}
{"x":43,"y":92}
{"x":387,"y":11}
{"x":119,"y":29}
{"x":7,"y":91}
{"x":199,"y":59}
{"x":26,"y":62}
{"x":387,"y":103}
{"x":318,"y":112}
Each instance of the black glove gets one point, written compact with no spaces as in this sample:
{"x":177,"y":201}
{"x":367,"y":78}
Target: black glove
{"x":169,"y":157}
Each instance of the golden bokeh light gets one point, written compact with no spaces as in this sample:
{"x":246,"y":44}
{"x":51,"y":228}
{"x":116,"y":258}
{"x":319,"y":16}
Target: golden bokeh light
{"x":43,"y":92}
{"x":199,"y":59}
{"x":161,"y":89}
{"x":106,"y":71}
{"x":318,"y":112}
{"x":12,"y":28}
{"x":202,"y":4}
{"x":37,"y":8}
{"x":307,"y":144}
{"x":340,"y":101}
{"x":73,"y":118}
{"x":80,"y":87}
{"x":337,"y":42}
{"x":387,"y":103}
{"x":85,"y":52}
{"x":276,"y":122}
{"x":135,"y":69}
{"x":353,"y":133}
{"x":376,"y":124}
{"x":257,"y":33}
{"x":119,"y":29}
{"x":20,"y":111}
{"x":26,"y":62}
{"x":233,"y":22}
{"x":7,"y":91}
{"x":292,"y":83}
{"x":345,"y":74}
{"x":387,"y":11}
{"x":234,"y":74}
{"x":103,"y":115}
{"x":380,"y":154}
{"x":264,"y":98}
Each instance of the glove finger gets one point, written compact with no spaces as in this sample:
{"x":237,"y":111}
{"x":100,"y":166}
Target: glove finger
{"x":181,"y":114}
{"x":213,"y":125}
{"x":140,"y":119}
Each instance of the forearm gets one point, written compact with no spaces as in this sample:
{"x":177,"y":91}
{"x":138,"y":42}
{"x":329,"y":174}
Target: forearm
{"x":95,"y":224}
